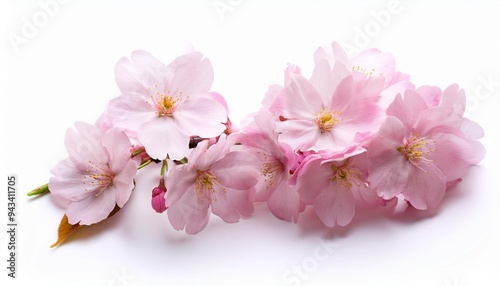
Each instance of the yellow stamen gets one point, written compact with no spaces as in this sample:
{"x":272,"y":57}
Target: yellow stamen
{"x":166,"y":104}
{"x":205,"y":184}
{"x":346,"y":177}
{"x":327,"y":120}
{"x":416,"y":149}
{"x":98,"y":177}
{"x":368,"y":72}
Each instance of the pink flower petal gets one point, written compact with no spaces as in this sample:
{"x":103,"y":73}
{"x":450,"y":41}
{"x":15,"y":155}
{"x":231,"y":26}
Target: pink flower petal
{"x":302,"y":101}
{"x":299,"y":134}
{"x":139,"y":73}
{"x":366,"y":197}
{"x":389,"y":138}
{"x":451,"y":155}
{"x":437,"y":120}
{"x":364,"y":194}
{"x":430,"y":94}
{"x":471,"y":129}
{"x":92,"y":209}
{"x":264,"y":121}
{"x":67,"y":182}
{"x":118,"y":146}
{"x":161,"y":137}
{"x":339,"y":54}
{"x":322,"y":80}
{"x":204,"y":157}
{"x":237,"y":170}
{"x":454,"y":97}
{"x":84,"y":144}
{"x":326,"y":141}
{"x":376,"y":62}
{"x":407,"y":109}
{"x":388,"y":95}
{"x":352,"y":111}
{"x":224,"y":209}
{"x":130,"y":111}
{"x":472,"y":132}
{"x":334,"y":206}
{"x":273,"y":100}
{"x":123,"y":183}
{"x":314,"y":178}
{"x":203,"y":117}
{"x":334,"y":53}
{"x":390,"y":174}
{"x":189,"y":212}
{"x":104,"y":122}
{"x":220,"y":99}
{"x":425,"y":189}
{"x":231,"y":203}
{"x":285,"y":203}
{"x":190,"y":74}
{"x":180,"y":179}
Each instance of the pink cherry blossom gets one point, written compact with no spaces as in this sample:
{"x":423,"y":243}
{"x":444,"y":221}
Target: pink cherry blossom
{"x":98,"y":174}
{"x":326,"y":113}
{"x":215,"y":178}
{"x":356,"y":133}
{"x":165,"y":105}
{"x":417,"y":151}
{"x":277,"y":159}
{"x":371,"y":62}
{"x":334,"y":183}
{"x":454,"y":97}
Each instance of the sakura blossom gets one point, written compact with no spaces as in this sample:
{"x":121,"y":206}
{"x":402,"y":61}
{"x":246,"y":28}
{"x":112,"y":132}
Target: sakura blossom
{"x":215,"y":179}
{"x":324,"y":113}
{"x":275,"y":185}
{"x":417,"y":151}
{"x":371,"y":62}
{"x":165,"y":105}
{"x":356,"y":133}
{"x":334,"y":183}
{"x":98,"y":174}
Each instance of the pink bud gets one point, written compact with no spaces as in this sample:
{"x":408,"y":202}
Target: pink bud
{"x":158,"y":197}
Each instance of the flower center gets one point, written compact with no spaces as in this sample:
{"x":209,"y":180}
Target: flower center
{"x":271,"y":171}
{"x":327,"y":120}
{"x":98,"y":177}
{"x":346,"y":177}
{"x":204,"y":185}
{"x":166,"y":104}
{"x":416,"y":149}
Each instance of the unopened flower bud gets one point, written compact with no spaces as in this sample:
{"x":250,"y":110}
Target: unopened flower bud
{"x":158,"y":197}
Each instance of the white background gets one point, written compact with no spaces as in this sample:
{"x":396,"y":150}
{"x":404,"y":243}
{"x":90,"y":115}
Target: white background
{"x":63,"y":72}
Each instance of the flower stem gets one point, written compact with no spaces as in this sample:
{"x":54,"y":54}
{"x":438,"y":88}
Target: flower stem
{"x":147,"y":162}
{"x":164,"y":167}
{"x":43,"y":189}
{"x":137,"y":152}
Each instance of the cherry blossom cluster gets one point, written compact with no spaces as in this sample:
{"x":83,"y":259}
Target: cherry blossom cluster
{"x":355,"y":133}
